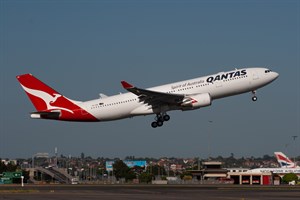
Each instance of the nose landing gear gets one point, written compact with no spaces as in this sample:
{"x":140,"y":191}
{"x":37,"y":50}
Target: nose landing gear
{"x":254,"y":98}
{"x":160,"y":119}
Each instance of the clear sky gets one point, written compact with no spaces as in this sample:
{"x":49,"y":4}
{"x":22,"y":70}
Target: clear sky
{"x":83,"y":48}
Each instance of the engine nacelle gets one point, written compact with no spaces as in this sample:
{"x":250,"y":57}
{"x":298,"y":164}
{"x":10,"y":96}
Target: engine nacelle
{"x":196,"y":101}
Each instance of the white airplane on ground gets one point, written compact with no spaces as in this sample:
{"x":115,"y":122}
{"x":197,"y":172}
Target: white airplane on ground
{"x":185,"y":95}
{"x":286,"y":166}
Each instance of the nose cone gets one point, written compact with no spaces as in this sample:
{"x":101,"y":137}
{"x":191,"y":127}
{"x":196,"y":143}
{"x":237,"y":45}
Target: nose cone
{"x":275,"y":75}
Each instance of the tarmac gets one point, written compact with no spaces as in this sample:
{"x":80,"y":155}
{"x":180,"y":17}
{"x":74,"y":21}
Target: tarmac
{"x":148,"y":192}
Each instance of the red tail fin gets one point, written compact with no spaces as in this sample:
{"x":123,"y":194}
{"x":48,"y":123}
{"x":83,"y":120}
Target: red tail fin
{"x":45,"y":100}
{"x":41,"y":95}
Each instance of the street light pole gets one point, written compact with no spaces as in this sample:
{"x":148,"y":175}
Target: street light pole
{"x":294,"y":138}
{"x":22,"y":181}
{"x":209,"y":140}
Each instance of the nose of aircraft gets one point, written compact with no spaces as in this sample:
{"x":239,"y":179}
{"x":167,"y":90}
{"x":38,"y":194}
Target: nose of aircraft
{"x":275,"y":74}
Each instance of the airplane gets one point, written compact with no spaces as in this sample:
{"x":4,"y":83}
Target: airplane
{"x":284,"y":161}
{"x":184,"y":95}
{"x":280,"y":171}
{"x":286,"y":166}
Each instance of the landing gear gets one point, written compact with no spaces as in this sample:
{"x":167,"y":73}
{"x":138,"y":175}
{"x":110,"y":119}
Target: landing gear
{"x":254,"y":98}
{"x":166,"y":117}
{"x":154,"y":124}
{"x":160,"y":123}
{"x":159,"y":120}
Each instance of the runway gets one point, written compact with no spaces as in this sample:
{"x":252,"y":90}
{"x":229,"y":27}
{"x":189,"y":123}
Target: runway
{"x":147,"y":192}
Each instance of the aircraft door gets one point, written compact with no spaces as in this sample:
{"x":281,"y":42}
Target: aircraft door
{"x":255,"y":75}
{"x":218,"y":84}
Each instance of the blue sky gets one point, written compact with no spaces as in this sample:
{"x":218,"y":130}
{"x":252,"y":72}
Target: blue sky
{"x":83,"y":48}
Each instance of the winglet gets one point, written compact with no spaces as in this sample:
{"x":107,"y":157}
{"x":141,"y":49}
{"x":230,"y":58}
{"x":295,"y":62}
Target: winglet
{"x":126,"y":85}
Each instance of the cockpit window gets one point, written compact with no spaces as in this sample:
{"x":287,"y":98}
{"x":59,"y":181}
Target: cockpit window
{"x":268,"y":71}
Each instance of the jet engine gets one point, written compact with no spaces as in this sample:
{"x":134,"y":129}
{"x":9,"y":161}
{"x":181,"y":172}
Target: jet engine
{"x":196,"y":101}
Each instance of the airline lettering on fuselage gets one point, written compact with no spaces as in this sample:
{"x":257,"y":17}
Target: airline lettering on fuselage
{"x":280,"y":170}
{"x":229,"y":75}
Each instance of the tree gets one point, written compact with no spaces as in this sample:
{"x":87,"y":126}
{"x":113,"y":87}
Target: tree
{"x":7,"y":168}
{"x":145,"y":177}
{"x":121,"y":170}
{"x":26,"y":176}
{"x":156,"y":170}
{"x":2,"y":167}
{"x":130,"y":175}
{"x":267,"y":157}
{"x":290,"y":177}
{"x":185,"y":174}
{"x":187,"y":178}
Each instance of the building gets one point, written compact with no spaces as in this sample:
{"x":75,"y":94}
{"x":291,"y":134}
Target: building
{"x":245,"y":177}
{"x":213,"y":170}
{"x":210,"y":170}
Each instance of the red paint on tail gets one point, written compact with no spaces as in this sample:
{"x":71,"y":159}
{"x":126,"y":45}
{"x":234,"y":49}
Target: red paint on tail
{"x":46,"y":99}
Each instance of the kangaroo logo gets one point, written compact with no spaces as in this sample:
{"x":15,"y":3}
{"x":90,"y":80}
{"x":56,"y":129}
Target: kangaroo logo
{"x":47,"y":98}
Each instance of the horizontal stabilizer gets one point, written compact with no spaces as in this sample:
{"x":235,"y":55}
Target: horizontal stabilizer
{"x":45,"y":115}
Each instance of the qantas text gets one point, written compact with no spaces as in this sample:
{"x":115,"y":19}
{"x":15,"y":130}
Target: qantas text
{"x":229,"y":75}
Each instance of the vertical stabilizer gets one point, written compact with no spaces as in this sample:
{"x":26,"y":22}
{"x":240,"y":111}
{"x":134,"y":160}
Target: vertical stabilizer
{"x":284,"y":161}
{"x":49,"y":103}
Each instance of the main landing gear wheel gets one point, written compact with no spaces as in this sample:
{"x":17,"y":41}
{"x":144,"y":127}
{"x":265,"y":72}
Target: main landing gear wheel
{"x":160,"y":123}
{"x":159,"y":120}
{"x":154,"y":124}
{"x":166,"y":118}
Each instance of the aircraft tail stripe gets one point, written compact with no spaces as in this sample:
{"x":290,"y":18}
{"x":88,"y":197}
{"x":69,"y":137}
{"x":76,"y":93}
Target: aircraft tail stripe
{"x":284,"y":161}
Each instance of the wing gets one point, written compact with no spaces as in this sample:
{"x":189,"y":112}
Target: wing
{"x":153,"y":97}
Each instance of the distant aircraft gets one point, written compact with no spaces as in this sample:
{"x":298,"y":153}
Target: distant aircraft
{"x":281,"y":171}
{"x":185,"y":95}
{"x":287,"y":166}
{"x":284,"y":161}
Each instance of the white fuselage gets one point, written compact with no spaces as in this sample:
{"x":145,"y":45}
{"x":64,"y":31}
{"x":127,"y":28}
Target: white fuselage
{"x":280,"y":171}
{"x":218,"y":86}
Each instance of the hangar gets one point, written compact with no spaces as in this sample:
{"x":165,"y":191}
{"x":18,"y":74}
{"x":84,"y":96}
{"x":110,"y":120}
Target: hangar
{"x":212,"y":170}
{"x":244,"y":177}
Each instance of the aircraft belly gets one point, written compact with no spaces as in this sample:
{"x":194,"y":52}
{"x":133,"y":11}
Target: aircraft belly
{"x":142,"y":110}
{"x":113,"y":113}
